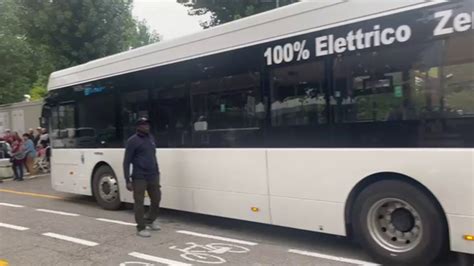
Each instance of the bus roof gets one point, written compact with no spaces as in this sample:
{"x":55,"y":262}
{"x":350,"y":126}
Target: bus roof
{"x":276,"y":24}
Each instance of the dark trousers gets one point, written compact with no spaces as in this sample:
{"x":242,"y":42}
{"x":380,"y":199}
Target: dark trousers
{"x":18,"y":169}
{"x":154,"y":192}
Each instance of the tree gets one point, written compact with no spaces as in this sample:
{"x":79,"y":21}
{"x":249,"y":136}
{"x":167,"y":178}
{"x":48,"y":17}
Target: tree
{"x":143,"y":36}
{"x":39,"y":90}
{"x":77,"y":31}
{"x":40,"y":36}
{"x":223,"y":11}
{"x":17,"y":72}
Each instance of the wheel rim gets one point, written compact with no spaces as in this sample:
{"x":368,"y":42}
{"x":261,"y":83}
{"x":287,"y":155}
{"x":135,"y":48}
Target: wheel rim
{"x":108,"y":188}
{"x":395,"y":225}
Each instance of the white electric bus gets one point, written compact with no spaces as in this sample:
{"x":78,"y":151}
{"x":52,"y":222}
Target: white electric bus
{"x":338,"y":117}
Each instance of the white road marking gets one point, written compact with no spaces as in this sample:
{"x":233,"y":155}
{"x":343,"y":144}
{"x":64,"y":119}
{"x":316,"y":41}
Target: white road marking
{"x":11,"y":205}
{"x":15,"y":227}
{"x":218,"y":238}
{"x":114,"y":221}
{"x":72,"y":239}
{"x":334,"y":258}
{"x":135,"y":263}
{"x":158,"y":259}
{"x":30,"y":177}
{"x":58,"y":212}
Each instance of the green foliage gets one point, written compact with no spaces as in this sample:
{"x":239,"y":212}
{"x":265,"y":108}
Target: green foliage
{"x":39,"y":89}
{"x":143,"y":36}
{"x":78,"y":31}
{"x":16,"y":71}
{"x":223,"y":11}
{"x":38,"y":93}
{"x":38,"y":37}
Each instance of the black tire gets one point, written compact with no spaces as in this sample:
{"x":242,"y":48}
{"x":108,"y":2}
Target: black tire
{"x":108,"y":201}
{"x":432,"y":241}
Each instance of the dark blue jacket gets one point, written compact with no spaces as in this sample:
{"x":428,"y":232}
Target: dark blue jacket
{"x":140,"y":151}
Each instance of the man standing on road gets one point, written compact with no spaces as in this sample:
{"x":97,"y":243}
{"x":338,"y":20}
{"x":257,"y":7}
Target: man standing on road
{"x":141,"y":153}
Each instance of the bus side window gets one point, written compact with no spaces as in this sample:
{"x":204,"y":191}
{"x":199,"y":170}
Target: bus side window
{"x":170,"y":115}
{"x":227,"y":111}
{"x":298,"y":95}
{"x":134,"y":105}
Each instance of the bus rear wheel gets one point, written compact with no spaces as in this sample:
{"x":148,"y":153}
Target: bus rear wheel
{"x":106,"y":188}
{"x":399,"y":224}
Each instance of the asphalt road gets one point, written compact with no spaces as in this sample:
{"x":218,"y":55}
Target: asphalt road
{"x":39,"y":226}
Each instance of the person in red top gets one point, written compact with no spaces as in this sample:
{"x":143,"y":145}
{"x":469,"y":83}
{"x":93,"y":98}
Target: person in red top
{"x":8,"y":137}
{"x":18,"y":156}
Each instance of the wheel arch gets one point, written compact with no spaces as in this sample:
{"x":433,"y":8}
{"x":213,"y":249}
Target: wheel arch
{"x":376,"y":177}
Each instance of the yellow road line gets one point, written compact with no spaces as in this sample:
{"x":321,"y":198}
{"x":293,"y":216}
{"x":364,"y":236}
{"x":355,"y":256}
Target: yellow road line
{"x":3,"y":263}
{"x":31,"y":194}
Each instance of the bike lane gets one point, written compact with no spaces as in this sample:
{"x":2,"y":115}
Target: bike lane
{"x":116,"y":244}
{"x":185,"y":238}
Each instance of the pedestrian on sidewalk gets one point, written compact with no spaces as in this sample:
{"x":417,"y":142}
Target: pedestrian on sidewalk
{"x":31,"y":134}
{"x":8,"y":136}
{"x":141,"y":153}
{"x":44,"y":137}
{"x":37,"y":136}
{"x":18,"y":156}
{"x":30,"y":152}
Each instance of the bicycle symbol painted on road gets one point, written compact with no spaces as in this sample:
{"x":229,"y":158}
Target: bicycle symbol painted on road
{"x":208,"y":253}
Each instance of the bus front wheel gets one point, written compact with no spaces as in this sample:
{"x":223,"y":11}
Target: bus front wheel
{"x":399,"y":224}
{"x":106,"y":188}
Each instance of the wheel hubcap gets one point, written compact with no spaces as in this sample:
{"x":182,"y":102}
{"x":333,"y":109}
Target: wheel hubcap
{"x":108,"y":188}
{"x":395,"y":225}
{"x":403,"y":220}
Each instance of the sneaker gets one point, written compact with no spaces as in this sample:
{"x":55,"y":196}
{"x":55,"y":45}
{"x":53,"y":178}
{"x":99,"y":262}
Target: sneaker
{"x":144,"y":233}
{"x":155,"y":226}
